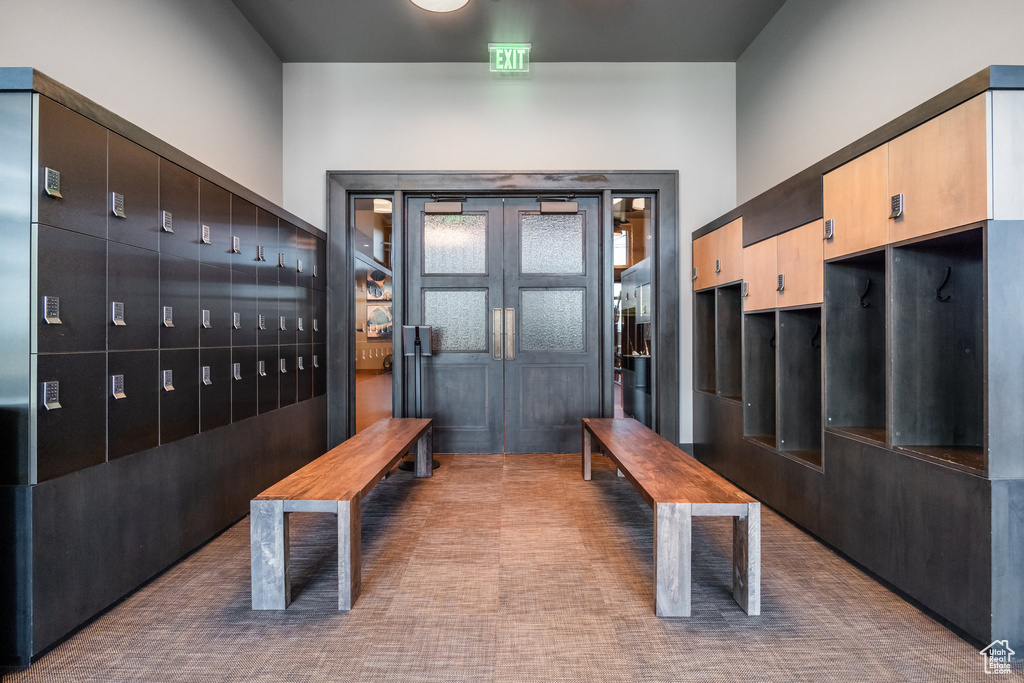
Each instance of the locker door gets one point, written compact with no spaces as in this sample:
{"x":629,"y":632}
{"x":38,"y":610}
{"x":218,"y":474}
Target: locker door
{"x":179,"y":290}
{"x":245,"y":304}
{"x":131,"y":283}
{"x":267,"y":378}
{"x":243,"y":385}
{"x":179,"y":409}
{"x":214,"y":298}
{"x":179,"y":211}
{"x":133,"y":415}
{"x":215,"y":397}
{"x":133,"y":197}
{"x":214,"y":218}
{"x":267,"y":239}
{"x":288,"y":374}
{"x":269,"y":312}
{"x":243,"y":236}
{"x":71,"y":279}
{"x":73,"y":436}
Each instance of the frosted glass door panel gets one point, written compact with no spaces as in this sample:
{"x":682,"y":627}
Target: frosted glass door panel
{"x":455,"y":245}
{"x":552,"y":320}
{"x":458,"y":318}
{"x":552,"y":244}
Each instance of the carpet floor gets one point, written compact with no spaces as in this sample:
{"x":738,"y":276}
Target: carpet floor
{"x":512,"y":568}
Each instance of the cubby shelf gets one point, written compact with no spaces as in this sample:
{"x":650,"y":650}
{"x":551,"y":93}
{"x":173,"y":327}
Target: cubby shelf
{"x":704,"y":341}
{"x":855,"y":370}
{"x":799,"y":353}
{"x":759,"y":377}
{"x":729,"y":336}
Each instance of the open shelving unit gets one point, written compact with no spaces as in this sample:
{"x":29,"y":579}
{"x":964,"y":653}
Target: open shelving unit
{"x":729,"y":335}
{"x":704,"y":341}
{"x":759,"y":378}
{"x":799,"y":353}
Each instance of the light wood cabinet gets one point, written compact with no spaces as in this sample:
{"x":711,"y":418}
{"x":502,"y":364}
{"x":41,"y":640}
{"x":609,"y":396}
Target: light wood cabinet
{"x":704,"y":261}
{"x":941,"y":168}
{"x":718,"y":256}
{"x":760,"y":275}
{"x":800,"y":264}
{"x":855,"y":198}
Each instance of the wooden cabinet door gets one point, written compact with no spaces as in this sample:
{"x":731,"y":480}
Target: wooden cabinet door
{"x":704,"y":261}
{"x":729,"y":252}
{"x":942,"y":170}
{"x":800,"y":262}
{"x":856,"y":200}
{"x":759,"y":273}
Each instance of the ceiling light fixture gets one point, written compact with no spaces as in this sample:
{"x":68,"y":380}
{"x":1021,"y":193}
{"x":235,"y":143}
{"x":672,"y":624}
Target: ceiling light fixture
{"x":382,"y":206}
{"x":440,"y":5}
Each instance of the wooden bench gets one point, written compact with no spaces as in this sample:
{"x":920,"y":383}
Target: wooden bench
{"x":678,"y":488}
{"x":335,"y":482}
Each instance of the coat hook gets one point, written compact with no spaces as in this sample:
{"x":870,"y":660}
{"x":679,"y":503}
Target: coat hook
{"x":816,"y":338}
{"x":938,"y":292}
{"x":771,"y":342}
{"x":867,"y":288}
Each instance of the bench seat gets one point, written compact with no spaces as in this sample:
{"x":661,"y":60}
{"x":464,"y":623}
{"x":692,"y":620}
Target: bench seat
{"x":678,"y":488}
{"x":336,"y":482}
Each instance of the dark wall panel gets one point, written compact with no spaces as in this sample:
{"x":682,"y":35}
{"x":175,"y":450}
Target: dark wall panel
{"x":215,"y":397}
{"x":243,"y":391}
{"x":179,"y":409}
{"x":133,"y":422}
{"x":268,"y":381}
{"x":267,"y":237}
{"x":243,"y":227}
{"x":179,"y":289}
{"x":132,"y":280}
{"x":133,"y":172}
{"x":72,"y":436}
{"x":76,"y":148}
{"x":100,"y":533}
{"x":215,"y":297}
{"x":215,"y":214}
{"x":288,"y":375}
{"x":73,"y":268}
{"x":179,"y":195}
{"x":244,"y":302}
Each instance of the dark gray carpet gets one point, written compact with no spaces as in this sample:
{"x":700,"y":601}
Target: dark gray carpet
{"x":512,"y":568}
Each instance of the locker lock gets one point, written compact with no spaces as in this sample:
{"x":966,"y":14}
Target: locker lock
{"x":51,"y":395}
{"x":166,"y":221}
{"x":117,"y":387}
{"x":829,"y":229}
{"x":236,"y":320}
{"x":236,"y":370}
{"x":236,"y":245}
{"x":168,"y":380}
{"x":782,"y":283}
{"x":206,"y":234}
{"x":51,"y":185}
{"x":261,"y":368}
{"x":51,"y":310}
{"x":896,"y":206}
{"x":117,"y":205}
{"x":206,"y":376}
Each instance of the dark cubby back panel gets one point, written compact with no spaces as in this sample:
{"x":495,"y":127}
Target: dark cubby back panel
{"x":759,"y":375}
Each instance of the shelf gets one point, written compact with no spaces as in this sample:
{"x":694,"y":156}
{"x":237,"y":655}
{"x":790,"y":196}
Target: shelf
{"x":729,"y":342}
{"x":855,"y":370}
{"x":938,"y":384}
{"x":800,"y":384}
{"x":862,"y":433}
{"x":704,"y":341}
{"x":759,"y":389}
{"x":971,"y":458}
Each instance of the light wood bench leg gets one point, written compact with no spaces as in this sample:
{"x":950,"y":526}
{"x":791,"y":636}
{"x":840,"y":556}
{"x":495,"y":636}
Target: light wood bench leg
{"x":349,"y":553}
{"x":268,"y":540}
{"x":425,"y":456}
{"x":672,"y":541}
{"x":587,"y":450}
{"x":746,"y":560}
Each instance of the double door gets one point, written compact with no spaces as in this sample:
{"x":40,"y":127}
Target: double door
{"x":510,"y":287}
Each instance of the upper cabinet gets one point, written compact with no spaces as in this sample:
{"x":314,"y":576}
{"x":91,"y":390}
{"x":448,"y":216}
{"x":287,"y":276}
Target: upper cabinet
{"x":718,"y":256}
{"x":801,"y":271}
{"x":760,"y":275}
{"x":941,"y":169}
{"x":855,"y":199}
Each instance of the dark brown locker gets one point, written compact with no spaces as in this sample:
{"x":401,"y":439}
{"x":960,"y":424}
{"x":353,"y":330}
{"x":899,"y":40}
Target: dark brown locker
{"x":179,"y":211}
{"x":214,"y":224}
{"x":267,"y":243}
{"x":268,"y":321}
{"x":304,"y":314}
{"x":133,"y":295}
{"x":304,"y":372}
{"x":305,"y":257}
{"x":72,"y":431}
{"x":267,"y":378}
{"x":319,"y":369}
{"x":244,"y":241}
{"x":179,"y":394}
{"x":243,"y":383}
{"x":319,"y":313}
{"x":244,"y":309}
{"x":288,"y":253}
{"x":178,"y":315}
{"x":320,"y":267}
{"x":133,"y":402}
{"x":288,"y":309}
{"x":214,"y":388}
{"x":288,"y":374}
{"x":133,"y":194}
{"x":73,"y":157}
{"x":72,"y":274}
{"x":214,"y":306}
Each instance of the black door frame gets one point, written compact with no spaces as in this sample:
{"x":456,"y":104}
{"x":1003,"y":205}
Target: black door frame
{"x":342,"y":185}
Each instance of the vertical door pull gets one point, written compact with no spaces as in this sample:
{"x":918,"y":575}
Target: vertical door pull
{"x":496,"y":333}
{"x":510,"y":334}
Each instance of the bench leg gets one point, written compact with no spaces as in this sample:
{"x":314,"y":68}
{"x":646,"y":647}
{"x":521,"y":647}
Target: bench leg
{"x":349,"y":553}
{"x":425,"y":455}
{"x":587,"y":450}
{"x":746,"y":560}
{"x":268,"y":540}
{"x":672,"y":559}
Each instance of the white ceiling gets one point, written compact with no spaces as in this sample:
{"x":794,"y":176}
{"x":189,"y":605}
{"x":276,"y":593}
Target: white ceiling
{"x":560,"y":30}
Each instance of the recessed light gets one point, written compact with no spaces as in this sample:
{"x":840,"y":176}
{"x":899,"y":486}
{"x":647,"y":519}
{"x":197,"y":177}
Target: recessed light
{"x":440,"y":5}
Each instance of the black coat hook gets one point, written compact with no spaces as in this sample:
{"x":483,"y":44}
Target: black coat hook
{"x":867,"y":288}
{"x":816,"y":338}
{"x":938,"y":292}
{"x":771,"y":342}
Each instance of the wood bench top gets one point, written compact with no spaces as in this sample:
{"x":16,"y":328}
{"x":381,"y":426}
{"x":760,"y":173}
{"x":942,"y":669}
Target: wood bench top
{"x":353,"y":467}
{"x":659,"y":470}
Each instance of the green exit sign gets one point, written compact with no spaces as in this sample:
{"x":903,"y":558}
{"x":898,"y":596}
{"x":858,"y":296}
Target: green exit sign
{"x":509,"y":57}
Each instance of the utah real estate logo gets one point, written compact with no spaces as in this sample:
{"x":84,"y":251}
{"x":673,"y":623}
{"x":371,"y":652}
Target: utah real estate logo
{"x":997,"y":657}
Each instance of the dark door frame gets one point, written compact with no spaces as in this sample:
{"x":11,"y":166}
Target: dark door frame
{"x":342,"y":185}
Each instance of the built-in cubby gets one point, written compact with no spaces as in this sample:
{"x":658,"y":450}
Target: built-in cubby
{"x":938,"y":336}
{"x":799,"y":370}
{"x":728,"y":352}
{"x":704,"y":341}
{"x":759,"y":377}
{"x":855,"y":332}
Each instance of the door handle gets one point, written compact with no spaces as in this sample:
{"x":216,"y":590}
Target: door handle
{"x":510,"y":333}
{"x":496,"y":333}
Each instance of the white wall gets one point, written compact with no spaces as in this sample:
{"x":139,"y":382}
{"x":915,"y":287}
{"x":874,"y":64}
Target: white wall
{"x":824,"y":73}
{"x":564,"y":117}
{"x":191,"y":72}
